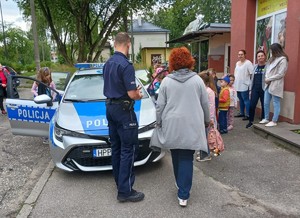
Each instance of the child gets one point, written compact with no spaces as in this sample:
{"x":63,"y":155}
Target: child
{"x":159,"y":78}
{"x":211,"y":91}
{"x":213,"y":73}
{"x":233,"y":103}
{"x":153,"y":88}
{"x":224,"y":103}
{"x":44,"y":76}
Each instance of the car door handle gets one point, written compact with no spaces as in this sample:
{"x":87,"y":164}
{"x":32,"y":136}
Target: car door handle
{"x":12,"y":106}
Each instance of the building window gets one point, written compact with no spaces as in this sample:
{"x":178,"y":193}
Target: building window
{"x":270,"y":24}
{"x":156,"y":59}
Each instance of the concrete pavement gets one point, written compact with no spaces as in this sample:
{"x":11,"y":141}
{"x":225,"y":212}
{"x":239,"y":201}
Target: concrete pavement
{"x":252,"y":178}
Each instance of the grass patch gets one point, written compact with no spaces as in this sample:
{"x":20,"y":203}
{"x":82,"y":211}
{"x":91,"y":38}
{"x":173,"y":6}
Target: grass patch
{"x":30,"y":73}
{"x":296,"y":131}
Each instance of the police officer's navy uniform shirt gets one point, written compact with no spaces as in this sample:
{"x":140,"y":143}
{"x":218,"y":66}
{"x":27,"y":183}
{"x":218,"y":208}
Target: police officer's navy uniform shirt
{"x":257,"y":80}
{"x":119,"y":76}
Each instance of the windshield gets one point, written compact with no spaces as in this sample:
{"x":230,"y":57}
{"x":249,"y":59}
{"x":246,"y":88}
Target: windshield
{"x":59,"y":79}
{"x":143,"y":76}
{"x":89,"y":88}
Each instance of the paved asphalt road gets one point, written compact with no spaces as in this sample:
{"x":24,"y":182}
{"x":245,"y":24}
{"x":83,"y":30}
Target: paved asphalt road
{"x":252,"y":178}
{"x":22,"y":162}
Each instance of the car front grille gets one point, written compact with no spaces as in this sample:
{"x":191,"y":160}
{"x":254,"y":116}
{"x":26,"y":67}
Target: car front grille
{"x":83,"y":155}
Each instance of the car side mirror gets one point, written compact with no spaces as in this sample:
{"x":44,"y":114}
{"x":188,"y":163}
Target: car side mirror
{"x":41,"y":99}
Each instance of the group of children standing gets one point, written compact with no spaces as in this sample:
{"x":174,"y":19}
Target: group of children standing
{"x":222,"y":102}
{"x":222,"y":99}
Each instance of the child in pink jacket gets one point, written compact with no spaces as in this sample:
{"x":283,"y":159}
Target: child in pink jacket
{"x":211,"y":91}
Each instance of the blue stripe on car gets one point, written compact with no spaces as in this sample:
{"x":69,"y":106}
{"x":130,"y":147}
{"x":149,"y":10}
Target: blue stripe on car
{"x":93,"y":116}
{"x":51,"y":130}
{"x":31,"y":114}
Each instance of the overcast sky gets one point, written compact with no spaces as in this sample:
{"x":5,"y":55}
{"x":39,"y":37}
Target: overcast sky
{"x":12,"y":15}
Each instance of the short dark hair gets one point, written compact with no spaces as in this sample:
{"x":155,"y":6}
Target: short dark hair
{"x":122,"y":38}
{"x":231,"y":75}
{"x":260,"y":51}
{"x":243,"y":50}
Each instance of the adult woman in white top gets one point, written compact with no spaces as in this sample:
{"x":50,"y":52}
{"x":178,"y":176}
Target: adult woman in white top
{"x":242,"y":73}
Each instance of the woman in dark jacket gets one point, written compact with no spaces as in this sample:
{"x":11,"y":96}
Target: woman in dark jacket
{"x":3,"y":82}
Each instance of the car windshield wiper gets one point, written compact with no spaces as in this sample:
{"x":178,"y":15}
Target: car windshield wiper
{"x":74,"y":100}
{"x":83,"y":100}
{"x":99,"y":99}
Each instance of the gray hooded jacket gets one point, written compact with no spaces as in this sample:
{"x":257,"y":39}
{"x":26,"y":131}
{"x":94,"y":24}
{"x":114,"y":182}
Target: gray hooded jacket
{"x":181,"y":112}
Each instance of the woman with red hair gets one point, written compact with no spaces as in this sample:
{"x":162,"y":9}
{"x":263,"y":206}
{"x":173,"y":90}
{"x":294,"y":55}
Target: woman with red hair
{"x":181,"y":116}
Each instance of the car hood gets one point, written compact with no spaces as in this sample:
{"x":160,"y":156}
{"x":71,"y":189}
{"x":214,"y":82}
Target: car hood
{"x":90,"y":117}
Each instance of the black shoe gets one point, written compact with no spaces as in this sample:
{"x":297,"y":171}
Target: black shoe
{"x":239,"y":115}
{"x":223,"y":131}
{"x":249,"y":125}
{"x":134,"y":197}
{"x":246,"y":118}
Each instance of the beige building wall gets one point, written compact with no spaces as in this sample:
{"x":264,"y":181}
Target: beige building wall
{"x":149,"y":53}
{"x":217,"y":44}
{"x":105,"y":54}
{"x":149,"y":40}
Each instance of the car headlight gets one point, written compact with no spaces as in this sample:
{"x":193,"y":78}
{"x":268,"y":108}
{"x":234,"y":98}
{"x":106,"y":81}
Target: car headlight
{"x":148,"y":127}
{"x":60,"y":132}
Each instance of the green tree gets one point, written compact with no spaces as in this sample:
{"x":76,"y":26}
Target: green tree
{"x":81,"y":28}
{"x":175,"y":15}
{"x":139,"y":55}
{"x":19,"y":46}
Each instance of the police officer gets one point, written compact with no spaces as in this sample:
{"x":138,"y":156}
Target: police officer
{"x":121,"y":91}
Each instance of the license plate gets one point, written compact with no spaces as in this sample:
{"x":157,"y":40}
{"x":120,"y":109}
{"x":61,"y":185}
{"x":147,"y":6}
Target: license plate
{"x":102,"y":152}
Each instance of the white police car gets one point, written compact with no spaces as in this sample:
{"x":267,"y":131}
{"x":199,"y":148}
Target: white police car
{"x":77,"y":126}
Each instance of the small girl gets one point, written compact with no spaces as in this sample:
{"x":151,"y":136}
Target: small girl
{"x":44,"y":75}
{"x":211,"y":91}
{"x":233,"y":103}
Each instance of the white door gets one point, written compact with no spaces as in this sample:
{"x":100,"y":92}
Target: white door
{"x":227,"y":59}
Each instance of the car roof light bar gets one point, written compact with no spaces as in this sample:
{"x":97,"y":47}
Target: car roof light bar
{"x":88,"y":65}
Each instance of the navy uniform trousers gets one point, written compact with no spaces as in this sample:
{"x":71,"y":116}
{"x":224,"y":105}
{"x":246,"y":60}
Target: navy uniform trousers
{"x":123,"y":133}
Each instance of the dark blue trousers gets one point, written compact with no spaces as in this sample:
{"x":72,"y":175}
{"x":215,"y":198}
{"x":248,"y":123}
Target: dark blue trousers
{"x":256,"y":93}
{"x":182,"y":160}
{"x":244,"y":102}
{"x":223,"y":121}
{"x":123,"y":133}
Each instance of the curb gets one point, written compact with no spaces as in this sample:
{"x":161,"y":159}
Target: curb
{"x":281,"y":135}
{"x":36,"y":191}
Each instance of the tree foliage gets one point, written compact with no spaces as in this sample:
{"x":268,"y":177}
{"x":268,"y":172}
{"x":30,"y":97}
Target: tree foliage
{"x":81,"y":28}
{"x":19,"y":46}
{"x":175,"y":15}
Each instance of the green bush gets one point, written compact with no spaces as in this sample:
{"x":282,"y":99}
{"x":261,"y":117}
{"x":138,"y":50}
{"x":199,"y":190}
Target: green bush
{"x":46,"y":64}
{"x":63,"y":68}
{"x":61,"y":59}
{"x":29,"y":67}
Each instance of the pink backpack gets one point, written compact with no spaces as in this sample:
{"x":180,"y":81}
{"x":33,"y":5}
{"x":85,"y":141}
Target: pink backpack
{"x":215,"y":141}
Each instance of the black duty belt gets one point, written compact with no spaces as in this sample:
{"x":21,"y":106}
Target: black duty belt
{"x":116,"y":101}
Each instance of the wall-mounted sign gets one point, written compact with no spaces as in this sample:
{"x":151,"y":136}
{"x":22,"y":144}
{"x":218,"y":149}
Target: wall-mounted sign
{"x":265,"y":7}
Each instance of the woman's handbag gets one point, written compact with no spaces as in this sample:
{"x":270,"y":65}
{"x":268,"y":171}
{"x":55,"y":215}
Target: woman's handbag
{"x":215,"y":141}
